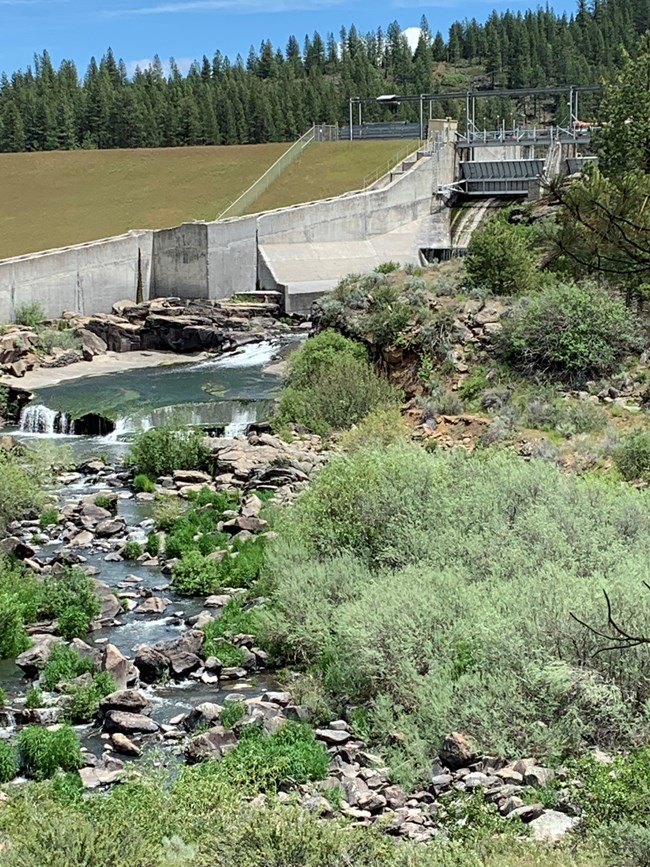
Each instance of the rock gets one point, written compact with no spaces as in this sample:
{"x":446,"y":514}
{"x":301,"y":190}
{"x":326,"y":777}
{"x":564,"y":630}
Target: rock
{"x":191,"y":477}
{"x":395,"y":797}
{"x":92,"y":468}
{"x":478,"y":780}
{"x":251,"y":506}
{"x":35,"y":658}
{"x":111,"y":607}
{"x":333,"y":737}
{"x":129,"y":700}
{"x":125,"y":745}
{"x":129,"y":723}
{"x":151,"y":664}
{"x":538,"y":776}
{"x":250,"y":525}
{"x":91,"y":344}
{"x":552,"y":825}
{"x":114,"y":661}
{"x":281,"y":698}
{"x":17,"y":548}
{"x":84,"y":539}
{"x":47,"y":716}
{"x":510,"y":804}
{"x":152,"y":605}
{"x":94,"y":778}
{"x":109,"y":527}
{"x":510,"y":776}
{"x":456,"y":751}
{"x":205,"y":713}
{"x":210,"y":745}
{"x":527,"y":813}
{"x":181,"y":664}
{"x":217,"y":601}
{"x":440,"y":782}
{"x":298,"y":713}
{"x":190,"y":642}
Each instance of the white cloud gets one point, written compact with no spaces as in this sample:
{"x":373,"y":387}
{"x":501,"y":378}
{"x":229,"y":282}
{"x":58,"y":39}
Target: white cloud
{"x":412,"y":36}
{"x":176,"y":6}
{"x":183,"y":64}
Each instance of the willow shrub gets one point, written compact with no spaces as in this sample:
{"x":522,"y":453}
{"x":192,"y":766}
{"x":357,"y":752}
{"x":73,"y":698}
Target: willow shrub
{"x":331,"y":386}
{"x":438,"y":590}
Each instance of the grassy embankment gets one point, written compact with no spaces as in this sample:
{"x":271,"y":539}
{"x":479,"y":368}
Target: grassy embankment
{"x":60,"y":198}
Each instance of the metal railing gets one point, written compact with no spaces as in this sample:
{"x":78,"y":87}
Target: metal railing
{"x":525,"y":135}
{"x":241,"y":205}
{"x":391,"y":165}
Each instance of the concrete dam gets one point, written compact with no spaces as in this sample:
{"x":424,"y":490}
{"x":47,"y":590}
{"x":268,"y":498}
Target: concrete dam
{"x":301,"y":251}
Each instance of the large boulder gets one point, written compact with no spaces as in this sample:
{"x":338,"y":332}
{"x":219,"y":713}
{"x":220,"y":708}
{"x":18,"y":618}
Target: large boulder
{"x":91,"y":344}
{"x":456,"y":751}
{"x":129,"y":700}
{"x":115,"y":663}
{"x":151,"y":664}
{"x":210,"y":745}
{"x":33,"y":660}
{"x":129,"y":723}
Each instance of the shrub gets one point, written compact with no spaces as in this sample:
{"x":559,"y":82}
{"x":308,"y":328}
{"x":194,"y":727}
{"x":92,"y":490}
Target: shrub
{"x":499,"y":260}
{"x":65,"y":663}
{"x":48,"y":517}
{"x":30,"y":314}
{"x":153,"y":544}
{"x":57,"y":338}
{"x":3,"y":696}
{"x":166,"y":512}
{"x":195,"y":529}
{"x":331,"y":386}
{"x":229,"y":655}
{"x":387,"y":267}
{"x":160,"y":451}
{"x":396,"y":575}
{"x":34,"y":698}
{"x":70,"y":597}
{"x":20,"y":489}
{"x":570,"y":332}
{"x":42,"y":751}
{"x":234,"y":620}
{"x":14,"y":638}
{"x":132,"y":550}
{"x":8,"y":762}
{"x":232,"y":712}
{"x":381,"y":427}
{"x":197,"y":574}
{"x":632,"y":456}
{"x":73,"y":622}
{"x":104,"y":502}
{"x":84,"y":700}
{"x":261,"y":762}
{"x":143,"y":484}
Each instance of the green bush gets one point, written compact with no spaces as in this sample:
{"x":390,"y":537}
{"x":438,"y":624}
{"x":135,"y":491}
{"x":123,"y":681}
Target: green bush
{"x":84,"y":700}
{"x":397,"y":574}
{"x":166,"y":511}
{"x":234,"y":620}
{"x":195,"y":529}
{"x":34,"y":698}
{"x":42,"y":751}
{"x":153,"y":544}
{"x":387,"y":267}
{"x":30,"y":314}
{"x":160,"y":451}
{"x":570,"y":332}
{"x":499,"y":259}
{"x":232,"y":712}
{"x":132,"y":550}
{"x":8,"y":762}
{"x":73,"y":622}
{"x":632,"y":456}
{"x":57,"y":338}
{"x":70,"y":598}
{"x":229,"y":655}
{"x":383,"y":426}
{"x":197,"y":574}
{"x":104,"y":502}
{"x":142,"y":484}
{"x":14,"y":638}
{"x":3,"y":697}
{"x":65,"y":663}
{"x":331,"y":386}
{"x":49,"y":516}
{"x":261,"y":762}
{"x":20,"y":489}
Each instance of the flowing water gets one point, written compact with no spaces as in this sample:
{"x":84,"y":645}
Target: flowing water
{"x":469,"y":219}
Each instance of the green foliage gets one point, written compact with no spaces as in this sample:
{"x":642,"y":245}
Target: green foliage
{"x":73,"y":622}
{"x":153,"y":544}
{"x":234,"y":620}
{"x":499,"y":259}
{"x":8,"y":762}
{"x":70,"y":597}
{"x":387,"y":267}
{"x":232,"y":712}
{"x":14,"y":638}
{"x":570,"y":332}
{"x":34,"y":698}
{"x":166,"y":511}
{"x":131,"y":550}
{"x":383,"y":426}
{"x":617,"y":792}
{"x":142,"y":484}
{"x":331,"y":386}
{"x":261,"y":762}
{"x":20,"y":488}
{"x":30,"y":314}
{"x":3,"y":696}
{"x":104,"y":502}
{"x":197,"y":574}
{"x":229,"y":655}
{"x":50,"y":339}
{"x":42,"y":751}
{"x":632,"y":456}
{"x":84,"y":700}
{"x":65,"y":663}
{"x":159,"y":451}
{"x":195,"y":529}
{"x":49,"y":516}
{"x":397,"y":574}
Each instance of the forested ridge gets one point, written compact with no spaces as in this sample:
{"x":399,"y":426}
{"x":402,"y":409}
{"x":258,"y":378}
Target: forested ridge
{"x":275,"y":94}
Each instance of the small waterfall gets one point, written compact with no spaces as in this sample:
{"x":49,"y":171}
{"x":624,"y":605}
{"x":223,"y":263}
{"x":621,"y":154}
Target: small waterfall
{"x":252,"y":355}
{"x":241,"y":418}
{"x":469,"y":220}
{"x":39,"y":419}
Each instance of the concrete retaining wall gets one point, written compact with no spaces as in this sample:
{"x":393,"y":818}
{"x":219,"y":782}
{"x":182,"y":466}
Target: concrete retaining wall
{"x":232,"y":256}
{"x":88,"y":278}
{"x":180,"y":262}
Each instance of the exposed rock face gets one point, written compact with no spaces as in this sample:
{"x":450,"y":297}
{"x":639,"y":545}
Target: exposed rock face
{"x":456,"y":751}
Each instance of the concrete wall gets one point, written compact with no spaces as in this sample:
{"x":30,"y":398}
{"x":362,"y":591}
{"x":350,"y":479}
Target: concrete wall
{"x":232,"y":256}
{"x":87,"y":278}
{"x":180,"y":261}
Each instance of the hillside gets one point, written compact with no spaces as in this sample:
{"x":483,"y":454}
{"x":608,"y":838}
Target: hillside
{"x":332,"y":168}
{"x":55,"y":199}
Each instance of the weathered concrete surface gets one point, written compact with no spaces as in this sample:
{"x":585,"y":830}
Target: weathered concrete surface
{"x":87,"y":278}
{"x":180,"y":261}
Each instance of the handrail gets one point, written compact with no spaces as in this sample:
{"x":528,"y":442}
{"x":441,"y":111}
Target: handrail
{"x":240,"y":204}
{"x":369,"y":180}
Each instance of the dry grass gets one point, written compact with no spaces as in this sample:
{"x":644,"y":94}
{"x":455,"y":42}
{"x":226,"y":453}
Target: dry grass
{"x":60,"y":198}
{"x":331,"y":168}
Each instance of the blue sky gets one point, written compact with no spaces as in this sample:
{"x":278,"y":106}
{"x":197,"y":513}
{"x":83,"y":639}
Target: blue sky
{"x":186,"y":29}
